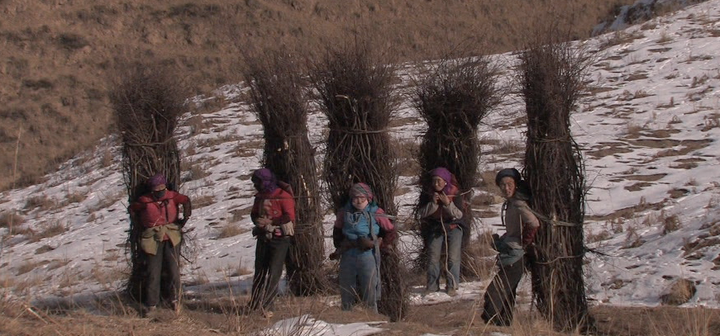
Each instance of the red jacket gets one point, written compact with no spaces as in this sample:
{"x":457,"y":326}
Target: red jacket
{"x":158,"y":212}
{"x":278,"y":205}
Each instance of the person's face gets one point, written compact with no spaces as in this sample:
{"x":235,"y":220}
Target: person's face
{"x":257,"y":184}
{"x":159,"y":191}
{"x":438,"y":183}
{"x":507,"y":186}
{"x":360,"y":202}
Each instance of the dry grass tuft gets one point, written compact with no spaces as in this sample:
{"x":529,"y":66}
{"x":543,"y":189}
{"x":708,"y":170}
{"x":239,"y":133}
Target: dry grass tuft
{"x":10,"y":219}
{"x":599,"y":236}
{"x":201,"y":201}
{"x":681,"y":291}
{"x":49,"y":229}
{"x":41,"y":202}
{"x":669,"y":223}
{"x":231,"y":230}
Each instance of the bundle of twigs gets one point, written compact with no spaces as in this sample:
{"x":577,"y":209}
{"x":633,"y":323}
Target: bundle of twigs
{"x":357,"y":97}
{"x":279,"y":98}
{"x":147,"y":102}
{"x":552,"y":79}
{"x":453,"y":99}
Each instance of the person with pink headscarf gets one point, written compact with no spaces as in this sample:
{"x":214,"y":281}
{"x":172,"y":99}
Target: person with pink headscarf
{"x":441,"y":211}
{"x":360,"y":230}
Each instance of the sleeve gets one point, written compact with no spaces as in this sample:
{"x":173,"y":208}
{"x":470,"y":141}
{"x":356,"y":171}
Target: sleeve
{"x":338,"y":236}
{"x":255,"y":212}
{"x":136,"y":207}
{"x":387,"y":229}
{"x":452,"y":210}
{"x":530,"y":223}
{"x":287,"y":203}
{"x":187,"y":205}
{"x":428,"y":209}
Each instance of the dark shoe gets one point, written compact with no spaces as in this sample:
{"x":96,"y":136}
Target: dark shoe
{"x":452,"y":292}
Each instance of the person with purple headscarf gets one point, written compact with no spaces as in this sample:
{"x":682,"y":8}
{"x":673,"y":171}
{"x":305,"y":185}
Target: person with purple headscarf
{"x":273,"y":214}
{"x":441,"y":214}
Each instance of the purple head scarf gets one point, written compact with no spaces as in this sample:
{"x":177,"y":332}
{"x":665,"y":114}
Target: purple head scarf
{"x":444,"y":174}
{"x":156,"y":180}
{"x":266,"y":178}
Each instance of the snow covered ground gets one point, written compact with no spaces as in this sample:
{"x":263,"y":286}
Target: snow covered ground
{"x":648,"y":128}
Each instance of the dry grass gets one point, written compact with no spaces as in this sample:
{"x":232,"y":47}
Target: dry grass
{"x":75,"y":197}
{"x":8,"y":219}
{"x":40,"y":202}
{"x":599,"y":236}
{"x":82,"y":40}
{"x":222,"y":314}
{"x":201,"y":201}
{"x":29,"y":266}
{"x":669,"y":223}
{"x":48,"y":229}
{"x":231,"y":230}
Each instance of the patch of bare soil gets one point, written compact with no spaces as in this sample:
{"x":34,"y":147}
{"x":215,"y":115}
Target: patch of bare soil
{"x":603,"y":149}
{"x":629,"y":212}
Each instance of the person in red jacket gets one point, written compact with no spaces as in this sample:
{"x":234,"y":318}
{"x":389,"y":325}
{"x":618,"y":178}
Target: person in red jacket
{"x":157,"y":212}
{"x":273,"y":214}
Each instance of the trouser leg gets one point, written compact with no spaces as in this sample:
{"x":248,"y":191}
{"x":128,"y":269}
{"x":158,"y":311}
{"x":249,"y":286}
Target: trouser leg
{"x":262,"y":260}
{"x":500,"y":294}
{"x":278,"y":253}
{"x":434,"y":250}
{"x":348,"y":280}
{"x":368,"y":279}
{"x":154,"y":271}
{"x":171,"y":263}
{"x":454,"y":257}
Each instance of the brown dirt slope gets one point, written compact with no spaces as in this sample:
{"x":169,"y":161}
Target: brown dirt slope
{"x":56,"y":55}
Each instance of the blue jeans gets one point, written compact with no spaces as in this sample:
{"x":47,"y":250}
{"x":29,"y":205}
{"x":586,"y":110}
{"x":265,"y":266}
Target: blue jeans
{"x":359,"y":276}
{"x":453,"y":248}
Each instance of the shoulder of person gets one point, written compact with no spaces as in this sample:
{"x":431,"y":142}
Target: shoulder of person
{"x":519,"y":203}
{"x":147,"y":198}
{"x":379,"y":210}
{"x":454,"y":190}
{"x":285,"y":194}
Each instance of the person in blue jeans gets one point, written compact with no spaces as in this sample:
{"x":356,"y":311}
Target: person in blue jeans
{"x":441,"y":211}
{"x":360,"y":227}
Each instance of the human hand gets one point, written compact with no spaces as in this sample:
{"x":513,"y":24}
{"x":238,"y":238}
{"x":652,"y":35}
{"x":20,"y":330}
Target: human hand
{"x":263,"y":221}
{"x":444,"y":199}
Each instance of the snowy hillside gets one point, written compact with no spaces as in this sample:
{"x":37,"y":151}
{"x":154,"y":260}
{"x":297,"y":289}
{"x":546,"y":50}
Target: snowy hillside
{"x":649,"y":129}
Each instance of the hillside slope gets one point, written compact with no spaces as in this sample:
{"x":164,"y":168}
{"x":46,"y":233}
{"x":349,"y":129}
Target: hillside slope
{"x":57,"y":56}
{"x":648,"y":128}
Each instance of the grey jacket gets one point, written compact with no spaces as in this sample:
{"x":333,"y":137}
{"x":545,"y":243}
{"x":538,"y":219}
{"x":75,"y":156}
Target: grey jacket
{"x":516,"y":214}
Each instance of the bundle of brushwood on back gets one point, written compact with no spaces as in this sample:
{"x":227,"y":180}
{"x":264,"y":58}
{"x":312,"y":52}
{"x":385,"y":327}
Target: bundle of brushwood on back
{"x":279,"y":97}
{"x":147,"y":101}
{"x":551,"y":77}
{"x":356,"y":94}
{"x":453,"y":98}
